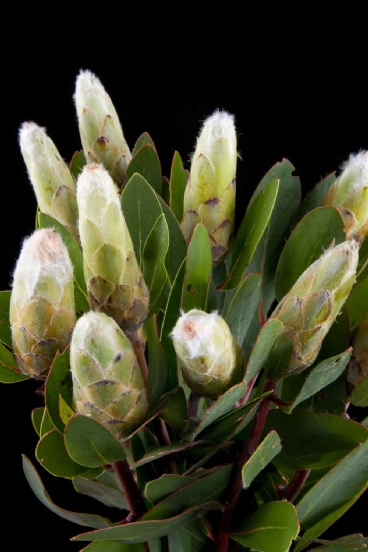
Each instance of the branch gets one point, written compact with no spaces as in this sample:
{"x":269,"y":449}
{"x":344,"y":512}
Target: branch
{"x":139,"y":353}
{"x":296,"y":484}
{"x":132,"y":493}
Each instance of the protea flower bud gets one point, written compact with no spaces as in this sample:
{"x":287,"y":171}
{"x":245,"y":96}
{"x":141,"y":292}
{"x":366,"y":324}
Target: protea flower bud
{"x":314,"y":301}
{"x":107,"y":381}
{"x":100,"y":129}
{"x":115,"y":282}
{"x":349,"y":194}
{"x":51,"y":179}
{"x":42,"y":312}
{"x":210,"y":193}
{"x":208,"y":354}
{"x":358,"y":366}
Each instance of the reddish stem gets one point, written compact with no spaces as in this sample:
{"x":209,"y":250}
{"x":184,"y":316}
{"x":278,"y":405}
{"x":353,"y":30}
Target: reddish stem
{"x":296,"y":484}
{"x":236,"y":484}
{"x":262,"y":317}
{"x":139,"y":353}
{"x":132,"y":494}
{"x":248,"y":391}
{"x":167,"y":441}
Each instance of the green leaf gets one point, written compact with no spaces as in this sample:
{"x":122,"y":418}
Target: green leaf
{"x":46,"y":423}
{"x":146,"y":163}
{"x":250,"y":233}
{"x":103,"y":493}
{"x":349,"y":543}
{"x":340,"y":486}
{"x":279,"y":359}
{"x":141,"y":531}
{"x":9,"y":371}
{"x":319,"y":377}
{"x":223,"y":405}
{"x":198,"y":271}
{"x":36,"y":417}
{"x":362,"y":271}
{"x":153,"y":266}
{"x":76,"y":257}
{"x":65,"y":411}
{"x":141,"y":210}
{"x":113,"y":546}
{"x":272,"y":528}
{"x":264,"y":454}
{"x":52,"y":455}
{"x":165,"y":485}
{"x":337,"y":339}
{"x":272,"y":243}
{"x":315,"y":197}
{"x":77,"y":164}
{"x":357,"y":303}
{"x":178,"y":183}
{"x":161,"y":451}
{"x":157,"y":362}
{"x":165,"y":190}
{"x":262,"y":348}
{"x":175,"y":412}
{"x":313,"y":440}
{"x":59,"y":383}
{"x":89,"y":443}
{"x":5,"y":331}
{"x":143,"y":140}
{"x":209,"y":487}
{"x":314,"y":234}
{"x":180,"y":541}
{"x":359,"y":396}
{"x":177,"y":246}
{"x":170,"y":317}
{"x":243,"y":306}
{"x":34,"y":481}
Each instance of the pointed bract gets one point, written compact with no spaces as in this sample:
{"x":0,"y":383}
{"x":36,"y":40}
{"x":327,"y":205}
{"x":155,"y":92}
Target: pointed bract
{"x":42,"y":312}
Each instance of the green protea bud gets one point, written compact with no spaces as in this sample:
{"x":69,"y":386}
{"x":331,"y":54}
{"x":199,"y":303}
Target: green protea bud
{"x":314,"y":301}
{"x":52,"y":181}
{"x":349,"y":194}
{"x":100,"y":129}
{"x":42,"y":312}
{"x":107,"y":381}
{"x":358,"y":366}
{"x":210,"y":193}
{"x":208,"y":354}
{"x":115,"y":282}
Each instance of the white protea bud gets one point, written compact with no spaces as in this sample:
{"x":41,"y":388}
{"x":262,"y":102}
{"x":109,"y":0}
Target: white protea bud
{"x":52,"y":180}
{"x":114,"y":280}
{"x":208,"y":354}
{"x":108,"y":383}
{"x":210,"y":193}
{"x":100,"y":129}
{"x":349,"y":194}
{"x":42,"y":312}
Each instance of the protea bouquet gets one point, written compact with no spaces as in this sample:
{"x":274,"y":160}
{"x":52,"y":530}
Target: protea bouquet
{"x":196,"y":379}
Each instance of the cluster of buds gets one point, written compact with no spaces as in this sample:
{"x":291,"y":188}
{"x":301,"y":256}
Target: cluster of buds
{"x":210,"y":193}
{"x":52,"y":181}
{"x":349,"y":194}
{"x":42,"y":312}
{"x":107,"y":381}
{"x":311,"y":306}
{"x":114,"y":280}
{"x":100,"y":129}
{"x":209,"y":356}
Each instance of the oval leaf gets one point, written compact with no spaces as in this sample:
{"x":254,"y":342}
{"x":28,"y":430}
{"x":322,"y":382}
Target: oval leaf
{"x":165,"y":485}
{"x":313,"y":235}
{"x":357,"y":303}
{"x":157,"y":362}
{"x":89,"y":443}
{"x":262,"y":348}
{"x":58,"y":383}
{"x":198,"y":271}
{"x":143,"y":140}
{"x":103,"y":493}
{"x":153,"y":266}
{"x":146,"y":163}
{"x":271,"y":529}
{"x":87,"y":520}
{"x":243,"y":306}
{"x":9,"y":371}
{"x":177,"y":246}
{"x":264,"y":454}
{"x":52,"y":455}
{"x":178,"y":182}
{"x":315,"y":197}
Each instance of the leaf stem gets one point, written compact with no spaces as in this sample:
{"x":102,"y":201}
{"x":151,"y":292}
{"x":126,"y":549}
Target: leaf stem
{"x":132,"y":494}
{"x":296,"y":484}
{"x":236,"y":483}
{"x":139,"y":353}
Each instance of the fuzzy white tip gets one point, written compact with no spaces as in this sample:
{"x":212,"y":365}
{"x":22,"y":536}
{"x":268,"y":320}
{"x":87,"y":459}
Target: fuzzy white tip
{"x":92,"y":323}
{"x":86,"y":84}
{"x":94,"y":178}
{"x":31,"y":138}
{"x":356,"y":165}
{"x":43,"y":254}
{"x":195,"y":330}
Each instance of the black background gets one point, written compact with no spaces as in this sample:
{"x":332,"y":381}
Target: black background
{"x":296,"y":80}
